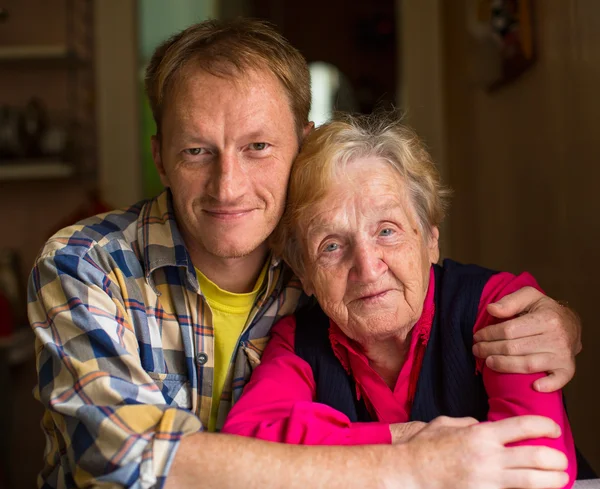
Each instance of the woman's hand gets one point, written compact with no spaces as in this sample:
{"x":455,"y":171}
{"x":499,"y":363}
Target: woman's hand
{"x":544,"y":337}
{"x":403,"y":432}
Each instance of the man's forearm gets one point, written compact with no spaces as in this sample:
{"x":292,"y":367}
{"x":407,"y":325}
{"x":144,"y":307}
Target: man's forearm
{"x":448,"y":453}
{"x":229,"y":461}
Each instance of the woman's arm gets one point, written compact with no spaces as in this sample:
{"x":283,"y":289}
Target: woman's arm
{"x":278,"y":402}
{"x":513,"y":394}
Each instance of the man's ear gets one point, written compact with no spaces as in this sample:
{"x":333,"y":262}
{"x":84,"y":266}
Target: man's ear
{"x":307,"y":129}
{"x":156,"y":156}
{"x":433,"y":246}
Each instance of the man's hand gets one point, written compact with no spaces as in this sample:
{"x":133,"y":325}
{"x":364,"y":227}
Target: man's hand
{"x":403,"y":432}
{"x":543,"y":337}
{"x":460,"y":452}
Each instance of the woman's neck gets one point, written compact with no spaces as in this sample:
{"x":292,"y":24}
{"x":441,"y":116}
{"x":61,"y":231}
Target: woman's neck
{"x":387,"y":357}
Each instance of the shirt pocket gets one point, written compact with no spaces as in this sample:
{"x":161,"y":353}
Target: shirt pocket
{"x":175,"y":389}
{"x":254,"y":349}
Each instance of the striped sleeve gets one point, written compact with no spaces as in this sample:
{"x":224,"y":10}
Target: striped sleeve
{"x":108,"y":421}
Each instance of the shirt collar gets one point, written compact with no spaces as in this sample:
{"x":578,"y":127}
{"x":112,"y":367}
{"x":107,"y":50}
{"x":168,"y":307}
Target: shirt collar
{"x":161,"y":242}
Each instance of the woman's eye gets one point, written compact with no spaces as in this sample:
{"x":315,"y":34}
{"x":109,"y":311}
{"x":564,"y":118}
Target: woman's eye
{"x":258,"y":146}
{"x":331,"y":247}
{"x":386,"y":232}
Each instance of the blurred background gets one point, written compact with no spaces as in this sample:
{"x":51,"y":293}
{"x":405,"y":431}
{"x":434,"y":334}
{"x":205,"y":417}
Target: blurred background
{"x":503,"y":91}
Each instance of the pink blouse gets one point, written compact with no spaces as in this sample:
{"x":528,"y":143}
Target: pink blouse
{"x":278,"y":402}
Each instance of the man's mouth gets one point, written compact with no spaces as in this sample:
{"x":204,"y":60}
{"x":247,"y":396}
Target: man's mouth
{"x":227,"y":214}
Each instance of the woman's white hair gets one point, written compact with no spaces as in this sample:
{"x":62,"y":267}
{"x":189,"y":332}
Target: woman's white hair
{"x":324,"y":156}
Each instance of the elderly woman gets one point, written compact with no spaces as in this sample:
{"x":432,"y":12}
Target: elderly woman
{"x":390,"y":340}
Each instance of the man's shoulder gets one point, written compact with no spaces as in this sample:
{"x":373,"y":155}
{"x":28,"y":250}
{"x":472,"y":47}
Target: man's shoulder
{"x":107,"y":232}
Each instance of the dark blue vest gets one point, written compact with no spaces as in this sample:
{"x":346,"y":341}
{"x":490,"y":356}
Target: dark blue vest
{"x":447,"y":382}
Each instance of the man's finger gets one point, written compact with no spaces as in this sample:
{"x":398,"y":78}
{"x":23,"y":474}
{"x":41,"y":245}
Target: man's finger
{"x":535,"y":479}
{"x":536,"y":457}
{"x":521,"y":364}
{"x":529,"y":345}
{"x":554,"y":381}
{"x":512,"y":304}
{"x":518,"y":327}
{"x":519,"y":428}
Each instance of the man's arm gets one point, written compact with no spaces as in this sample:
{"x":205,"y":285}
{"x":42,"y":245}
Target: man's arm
{"x":108,"y":421}
{"x":543,"y":336}
{"x":448,"y":453}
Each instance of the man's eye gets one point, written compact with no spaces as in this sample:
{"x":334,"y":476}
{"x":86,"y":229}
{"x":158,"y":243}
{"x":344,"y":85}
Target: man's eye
{"x":258,"y":146}
{"x":195,"y":151}
{"x":386,"y":232}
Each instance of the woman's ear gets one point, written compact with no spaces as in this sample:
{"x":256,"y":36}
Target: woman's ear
{"x":433,"y":246}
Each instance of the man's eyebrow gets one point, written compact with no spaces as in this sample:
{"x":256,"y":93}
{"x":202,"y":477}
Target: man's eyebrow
{"x":188,"y":137}
{"x":259,"y":135}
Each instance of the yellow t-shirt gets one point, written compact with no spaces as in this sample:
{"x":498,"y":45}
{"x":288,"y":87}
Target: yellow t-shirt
{"x":230,"y":312}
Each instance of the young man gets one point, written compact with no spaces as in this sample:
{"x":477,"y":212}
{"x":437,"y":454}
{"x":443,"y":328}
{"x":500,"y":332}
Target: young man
{"x":149,"y":320}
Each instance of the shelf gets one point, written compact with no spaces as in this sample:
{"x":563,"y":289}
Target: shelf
{"x":35,"y":170}
{"x":49,"y":51}
{"x":42,"y":55}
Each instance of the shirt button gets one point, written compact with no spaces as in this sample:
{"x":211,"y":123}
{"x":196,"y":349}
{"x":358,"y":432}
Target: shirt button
{"x":201,"y":358}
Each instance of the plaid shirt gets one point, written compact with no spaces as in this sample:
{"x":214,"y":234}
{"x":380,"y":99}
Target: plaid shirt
{"x":124,"y":347}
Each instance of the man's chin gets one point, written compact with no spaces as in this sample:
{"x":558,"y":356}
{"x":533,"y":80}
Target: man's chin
{"x":232,"y":250}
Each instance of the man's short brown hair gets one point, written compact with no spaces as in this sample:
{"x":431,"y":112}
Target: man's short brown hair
{"x":230,"y":48}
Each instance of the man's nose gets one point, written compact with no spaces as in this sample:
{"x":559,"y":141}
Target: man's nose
{"x":368,"y":265}
{"x":228,"y":182}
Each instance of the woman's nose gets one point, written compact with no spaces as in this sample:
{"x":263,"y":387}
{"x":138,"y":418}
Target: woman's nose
{"x":368,"y":264}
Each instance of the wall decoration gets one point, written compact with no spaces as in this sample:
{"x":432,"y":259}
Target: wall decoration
{"x":509,"y":29}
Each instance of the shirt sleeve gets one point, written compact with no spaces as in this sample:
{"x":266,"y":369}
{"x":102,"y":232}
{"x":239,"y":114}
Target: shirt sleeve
{"x":513,"y":394}
{"x":107,"y":422}
{"x":278,"y":402}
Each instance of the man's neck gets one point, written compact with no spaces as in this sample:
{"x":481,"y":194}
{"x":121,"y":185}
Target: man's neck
{"x":237,"y":275}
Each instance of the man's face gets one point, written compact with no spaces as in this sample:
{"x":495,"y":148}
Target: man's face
{"x":226,"y":150}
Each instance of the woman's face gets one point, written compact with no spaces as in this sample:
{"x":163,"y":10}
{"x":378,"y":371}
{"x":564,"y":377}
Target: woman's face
{"x":367,"y":259}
